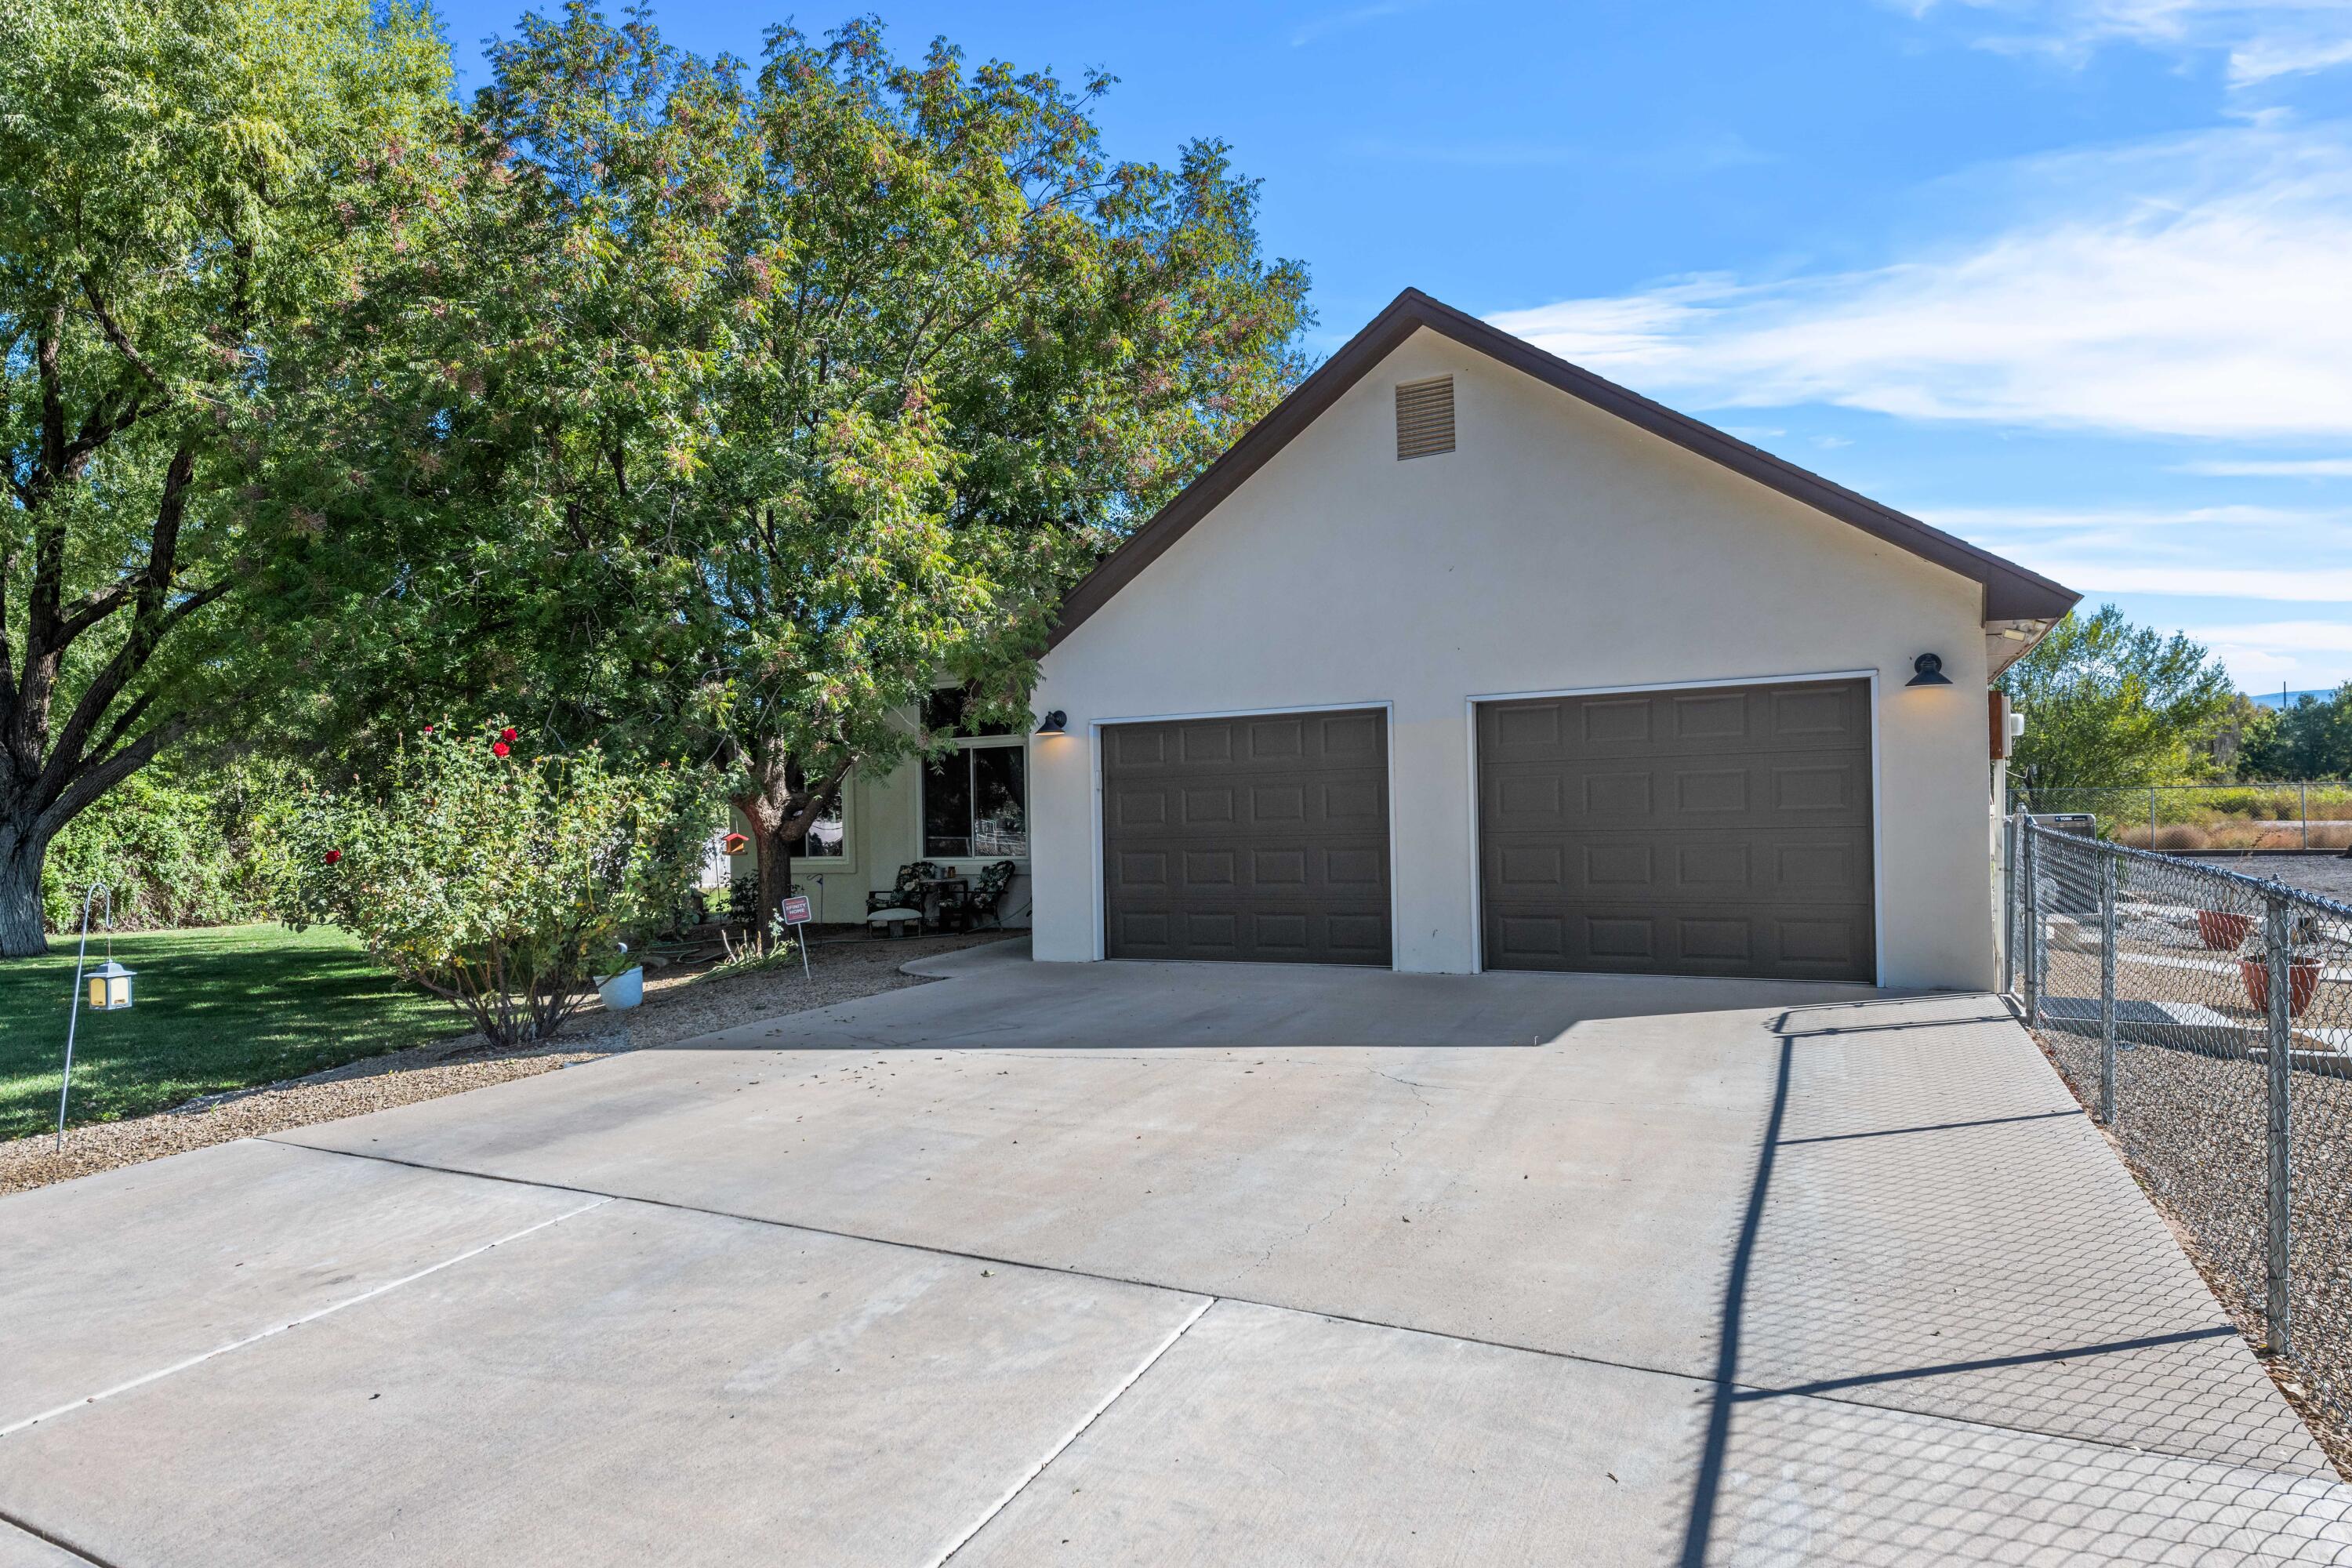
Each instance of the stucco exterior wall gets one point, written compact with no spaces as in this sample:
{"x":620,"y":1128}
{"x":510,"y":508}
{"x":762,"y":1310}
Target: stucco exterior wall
{"x":1555,"y":549}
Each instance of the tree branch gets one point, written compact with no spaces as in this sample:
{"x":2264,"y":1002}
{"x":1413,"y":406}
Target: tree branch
{"x":118,"y":337}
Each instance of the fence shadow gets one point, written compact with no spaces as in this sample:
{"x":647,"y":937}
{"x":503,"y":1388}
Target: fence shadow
{"x":1952,"y":1329}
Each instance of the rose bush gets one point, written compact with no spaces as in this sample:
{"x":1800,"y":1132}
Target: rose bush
{"x":503,"y":884}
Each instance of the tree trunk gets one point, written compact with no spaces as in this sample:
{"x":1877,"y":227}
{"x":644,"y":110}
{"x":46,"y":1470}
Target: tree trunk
{"x":780,"y":812}
{"x":771,"y":820}
{"x":22,"y":851}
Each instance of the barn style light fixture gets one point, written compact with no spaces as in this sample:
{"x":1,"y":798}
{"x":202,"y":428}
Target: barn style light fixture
{"x":1053,"y":722}
{"x":1928,"y":671}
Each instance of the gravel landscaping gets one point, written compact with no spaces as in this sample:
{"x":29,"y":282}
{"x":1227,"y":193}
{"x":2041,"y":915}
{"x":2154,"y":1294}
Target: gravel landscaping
{"x":679,"y":1005}
{"x":2330,"y":876}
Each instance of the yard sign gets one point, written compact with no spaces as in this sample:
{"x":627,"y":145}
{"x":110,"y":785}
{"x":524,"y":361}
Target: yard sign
{"x":795,"y":912}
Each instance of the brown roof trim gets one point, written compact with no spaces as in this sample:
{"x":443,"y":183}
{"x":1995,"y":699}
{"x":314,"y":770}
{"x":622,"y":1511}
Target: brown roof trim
{"x":2011,"y":592}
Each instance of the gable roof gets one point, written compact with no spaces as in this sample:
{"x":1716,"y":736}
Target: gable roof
{"x":2011,"y":592}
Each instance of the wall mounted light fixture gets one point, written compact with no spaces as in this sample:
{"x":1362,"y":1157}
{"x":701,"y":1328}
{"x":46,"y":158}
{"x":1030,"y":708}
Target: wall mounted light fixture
{"x":1928,"y":671}
{"x":1053,"y":722}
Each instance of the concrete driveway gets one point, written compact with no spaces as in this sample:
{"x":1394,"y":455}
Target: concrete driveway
{"x":1127,"y":1264}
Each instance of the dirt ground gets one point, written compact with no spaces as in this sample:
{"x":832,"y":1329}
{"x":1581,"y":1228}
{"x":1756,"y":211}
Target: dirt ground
{"x":680,"y":1003}
{"x":2330,"y":876}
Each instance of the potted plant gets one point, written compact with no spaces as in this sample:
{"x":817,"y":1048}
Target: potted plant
{"x":2224,"y":931}
{"x":2302,"y":971}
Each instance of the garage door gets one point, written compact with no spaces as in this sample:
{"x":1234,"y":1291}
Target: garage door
{"x":1717,"y":831}
{"x":1264,"y":839}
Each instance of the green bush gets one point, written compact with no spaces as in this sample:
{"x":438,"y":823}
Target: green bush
{"x":174,"y":852}
{"x":502,"y":884}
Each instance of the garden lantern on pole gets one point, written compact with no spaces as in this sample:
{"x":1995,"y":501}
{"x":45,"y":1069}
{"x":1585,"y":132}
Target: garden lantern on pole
{"x":110,"y":991}
{"x":110,"y":987}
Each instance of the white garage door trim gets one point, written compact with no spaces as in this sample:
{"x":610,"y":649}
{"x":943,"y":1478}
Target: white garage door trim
{"x":1095,"y":727}
{"x":1470,"y":801}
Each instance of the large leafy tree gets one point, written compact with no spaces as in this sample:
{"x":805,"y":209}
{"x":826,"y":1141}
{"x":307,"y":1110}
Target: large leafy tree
{"x":762,"y":397}
{"x":2312,"y":739}
{"x":2108,"y":703}
{"x":188,"y":190}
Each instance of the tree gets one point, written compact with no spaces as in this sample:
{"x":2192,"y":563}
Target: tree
{"x":185,"y":187}
{"x":2312,"y":739}
{"x":760,"y":399}
{"x":2108,"y":703}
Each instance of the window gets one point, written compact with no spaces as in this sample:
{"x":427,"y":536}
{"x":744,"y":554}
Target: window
{"x":829,"y":836}
{"x":943,"y":713}
{"x":976,"y":803}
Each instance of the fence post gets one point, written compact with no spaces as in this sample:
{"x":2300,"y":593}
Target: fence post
{"x":2107,"y":888}
{"x":2278,"y":954}
{"x":2033,"y":975}
{"x":2151,"y":817}
{"x":2303,"y":795}
{"x":2009,"y":847}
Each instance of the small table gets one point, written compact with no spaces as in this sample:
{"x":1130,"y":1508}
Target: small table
{"x":933,"y":889}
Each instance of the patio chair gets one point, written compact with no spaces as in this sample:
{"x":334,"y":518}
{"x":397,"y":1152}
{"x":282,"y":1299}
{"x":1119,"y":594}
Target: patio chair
{"x":983,"y":901}
{"x":893,"y":909}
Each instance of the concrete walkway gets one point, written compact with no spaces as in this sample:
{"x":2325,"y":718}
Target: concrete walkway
{"x":1126,"y":1264}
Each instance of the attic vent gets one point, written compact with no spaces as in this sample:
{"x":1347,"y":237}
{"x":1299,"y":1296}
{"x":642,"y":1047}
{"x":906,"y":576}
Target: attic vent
{"x":1424,"y":418}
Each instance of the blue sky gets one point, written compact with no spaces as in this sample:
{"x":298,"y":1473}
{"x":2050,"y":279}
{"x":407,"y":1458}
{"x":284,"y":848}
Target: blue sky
{"x":2070,"y":278}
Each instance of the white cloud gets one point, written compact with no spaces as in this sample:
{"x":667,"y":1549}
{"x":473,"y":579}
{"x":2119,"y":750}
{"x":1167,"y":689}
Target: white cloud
{"x":2109,"y":574}
{"x":2262,"y":39}
{"x":2197,"y":286}
{"x":1332,"y":22}
{"x":2272,"y":469}
{"x":2281,"y":636}
{"x":1972,"y":520}
{"x":2263,"y":653}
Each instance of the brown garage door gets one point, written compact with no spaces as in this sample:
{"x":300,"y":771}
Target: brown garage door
{"x":1717,"y":831}
{"x":1264,"y":839}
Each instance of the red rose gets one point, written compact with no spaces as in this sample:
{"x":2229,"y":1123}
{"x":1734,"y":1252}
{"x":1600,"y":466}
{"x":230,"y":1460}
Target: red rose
{"x":429,"y":728}
{"x":508,"y":733}
{"x":736,"y":844}
{"x":499,"y":749}
{"x":334,"y":856}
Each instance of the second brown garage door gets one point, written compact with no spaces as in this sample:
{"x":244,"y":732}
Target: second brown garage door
{"x":1262,"y":839}
{"x":1723,"y":830}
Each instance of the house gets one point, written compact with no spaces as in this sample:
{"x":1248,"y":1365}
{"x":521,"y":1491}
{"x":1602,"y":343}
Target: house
{"x":1465,"y":658}
{"x":964,"y":812}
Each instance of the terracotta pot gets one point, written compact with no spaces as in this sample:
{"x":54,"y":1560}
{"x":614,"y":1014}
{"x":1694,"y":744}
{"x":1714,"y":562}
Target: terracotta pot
{"x":2221,"y":930}
{"x":2301,"y":981}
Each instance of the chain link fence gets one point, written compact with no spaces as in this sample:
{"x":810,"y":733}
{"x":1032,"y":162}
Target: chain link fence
{"x":2296,"y":815}
{"x":2205,"y":1017}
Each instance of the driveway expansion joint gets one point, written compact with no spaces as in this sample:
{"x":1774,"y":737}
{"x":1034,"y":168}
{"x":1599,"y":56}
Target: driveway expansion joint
{"x":1732,"y":1393}
{"x":59,"y":1541}
{"x":1029,"y":1477}
{"x":311,"y":1317}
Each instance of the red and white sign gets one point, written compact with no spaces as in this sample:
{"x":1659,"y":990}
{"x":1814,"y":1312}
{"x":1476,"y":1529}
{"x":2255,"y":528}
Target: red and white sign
{"x":795,"y":912}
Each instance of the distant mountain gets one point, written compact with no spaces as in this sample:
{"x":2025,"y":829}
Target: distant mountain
{"x":2283,"y":700}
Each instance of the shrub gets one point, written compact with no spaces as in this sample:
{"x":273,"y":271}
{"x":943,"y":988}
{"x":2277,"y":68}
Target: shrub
{"x":502,"y":884}
{"x":2179,"y":836}
{"x":172,"y":850}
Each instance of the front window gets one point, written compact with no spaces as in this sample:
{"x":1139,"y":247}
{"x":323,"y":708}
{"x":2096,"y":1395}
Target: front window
{"x":975,"y":802}
{"x":828,"y":836}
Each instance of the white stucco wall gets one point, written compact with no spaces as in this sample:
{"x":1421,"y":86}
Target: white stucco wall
{"x":1557,"y":549}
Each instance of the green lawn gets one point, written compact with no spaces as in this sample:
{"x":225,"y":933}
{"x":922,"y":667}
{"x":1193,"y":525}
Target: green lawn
{"x":216,"y":1009}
